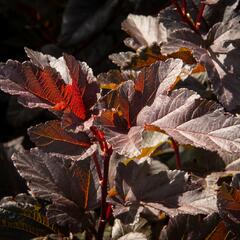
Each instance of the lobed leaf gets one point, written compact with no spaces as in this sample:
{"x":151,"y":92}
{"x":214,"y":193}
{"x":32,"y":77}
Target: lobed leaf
{"x":216,"y":51}
{"x":144,"y":31}
{"x":190,"y":119}
{"x":62,"y":85}
{"x":128,"y":100}
{"x":66,"y":184}
{"x":138,"y":192}
{"x":53,"y":137}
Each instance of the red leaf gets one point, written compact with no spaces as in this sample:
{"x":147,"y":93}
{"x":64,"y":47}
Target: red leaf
{"x":53,"y":137}
{"x":62,"y":84}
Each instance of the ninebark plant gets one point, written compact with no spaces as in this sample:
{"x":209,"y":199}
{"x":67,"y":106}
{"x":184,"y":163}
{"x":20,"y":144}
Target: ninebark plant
{"x":103,"y":163}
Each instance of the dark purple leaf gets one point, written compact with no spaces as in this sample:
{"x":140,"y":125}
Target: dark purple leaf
{"x":229,"y":207}
{"x":139,"y":192}
{"x":65,"y":183}
{"x":189,"y":227}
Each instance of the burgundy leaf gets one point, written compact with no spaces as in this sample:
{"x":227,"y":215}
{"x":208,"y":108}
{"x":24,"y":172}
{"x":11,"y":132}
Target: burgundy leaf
{"x":190,"y":119}
{"x":113,"y":78}
{"x":53,"y":137}
{"x":170,"y":191}
{"x":229,"y":205}
{"x":124,"y":103}
{"x":65,"y":183}
{"x":216,"y":51}
{"x":189,"y":227}
{"x":45,"y":82}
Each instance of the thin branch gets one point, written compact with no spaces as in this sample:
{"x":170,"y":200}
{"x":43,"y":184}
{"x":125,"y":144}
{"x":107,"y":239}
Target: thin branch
{"x":203,"y":19}
{"x":177,"y":155}
{"x":104,"y":205}
{"x":98,"y":168}
{"x":107,"y":151}
{"x":109,"y":212}
{"x":199,"y":16}
{"x":184,"y":7}
{"x":185,"y":17}
{"x":174,"y":2}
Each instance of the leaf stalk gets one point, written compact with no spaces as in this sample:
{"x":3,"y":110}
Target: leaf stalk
{"x":107,"y":151}
{"x":199,"y":16}
{"x":177,"y":154}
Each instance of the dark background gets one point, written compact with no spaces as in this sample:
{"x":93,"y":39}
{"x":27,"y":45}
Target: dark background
{"x":88,"y":29}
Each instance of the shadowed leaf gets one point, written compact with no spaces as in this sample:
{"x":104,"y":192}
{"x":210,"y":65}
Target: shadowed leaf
{"x":24,"y":217}
{"x":139,"y":192}
{"x":64,"y":183}
{"x":216,"y":51}
{"x":229,"y":207}
{"x":113,"y":78}
{"x":189,"y":227}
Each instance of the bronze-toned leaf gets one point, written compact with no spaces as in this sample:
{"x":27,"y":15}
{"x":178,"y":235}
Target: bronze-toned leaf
{"x":123,"y":104}
{"x":53,"y":137}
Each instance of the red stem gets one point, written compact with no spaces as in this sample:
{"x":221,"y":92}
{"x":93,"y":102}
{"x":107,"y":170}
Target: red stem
{"x":98,"y":168}
{"x":109,"y":212}
{"x":199,"y":16}
{"x":107,"y":151}
{"x":104,"y":205}
{"x":184,"y":16}
{"x":184,"y":7}
{"x":177,"y":155}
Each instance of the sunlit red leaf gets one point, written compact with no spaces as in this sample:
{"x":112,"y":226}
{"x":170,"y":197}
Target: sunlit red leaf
{"x":45,"y":82}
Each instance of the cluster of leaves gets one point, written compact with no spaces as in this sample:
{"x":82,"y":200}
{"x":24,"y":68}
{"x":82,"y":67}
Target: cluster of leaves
{"x":106,"y":157}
